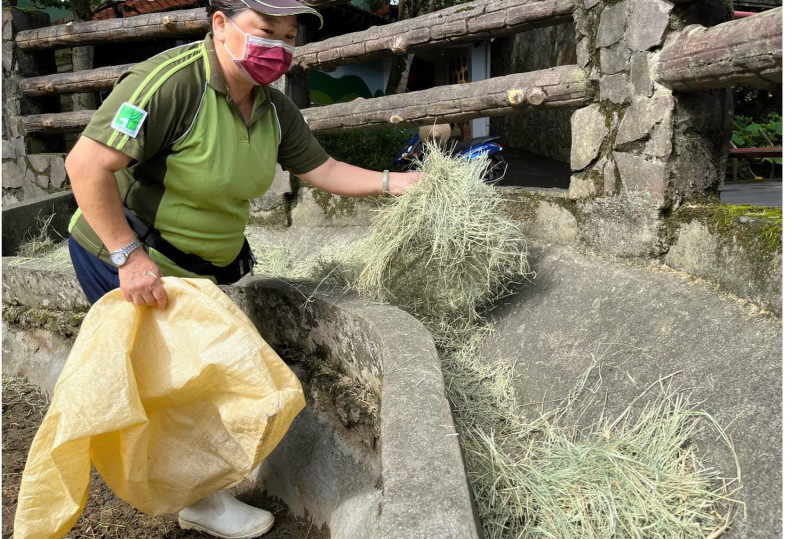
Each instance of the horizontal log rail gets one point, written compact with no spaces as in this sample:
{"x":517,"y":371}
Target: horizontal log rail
{"x":90,"y":80}
{"x":563,"y":86}
{"x":179,"y":23}
{"x":176,"y":24}
{"x":57,"y":123}
{"x":473,"y":21}
{"x":745,"y":51}
{"x":776,"y":151}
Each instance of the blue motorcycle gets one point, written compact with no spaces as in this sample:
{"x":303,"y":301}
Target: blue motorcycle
{"x":471,"y":149}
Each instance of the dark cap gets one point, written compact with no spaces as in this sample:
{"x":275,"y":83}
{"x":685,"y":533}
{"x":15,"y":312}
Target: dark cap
{"x":278,"y":8}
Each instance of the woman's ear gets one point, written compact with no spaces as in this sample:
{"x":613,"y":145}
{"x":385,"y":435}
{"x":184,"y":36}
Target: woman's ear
{"x":218,"y":26}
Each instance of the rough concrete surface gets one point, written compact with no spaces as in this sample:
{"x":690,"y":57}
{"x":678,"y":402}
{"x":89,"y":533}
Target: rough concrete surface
{"x":317,"y":209}
{"x":553,"y":224}
{"x":335,"y":470}
{"x":644,"y":323}
{"x":24,"y":220}
{"x":699,"y":252}
{"x":626,"y":225}
{"x":425,"y":491}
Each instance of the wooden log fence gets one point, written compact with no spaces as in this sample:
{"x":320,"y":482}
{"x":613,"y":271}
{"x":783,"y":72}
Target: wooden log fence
{"x":473,"y":21}
{"x":172,"y":24}
{"x":459,"y":24}
{"x":89,"y":80}
{"x":564,"y":86}
{"x":57,"y":123}
{"x":745,"y":51}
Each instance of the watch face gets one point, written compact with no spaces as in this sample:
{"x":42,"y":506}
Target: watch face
{"x":118,"y":258}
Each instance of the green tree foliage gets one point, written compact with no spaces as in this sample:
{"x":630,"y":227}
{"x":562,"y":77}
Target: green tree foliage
{"x":374,"y":150}
{"x":759,"y":119}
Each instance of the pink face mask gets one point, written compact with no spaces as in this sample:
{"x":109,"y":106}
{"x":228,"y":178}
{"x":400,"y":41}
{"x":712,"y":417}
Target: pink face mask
{"x":264,"y":60}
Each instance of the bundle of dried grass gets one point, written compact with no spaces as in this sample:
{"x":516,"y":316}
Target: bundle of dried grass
{"x":444,"y":250}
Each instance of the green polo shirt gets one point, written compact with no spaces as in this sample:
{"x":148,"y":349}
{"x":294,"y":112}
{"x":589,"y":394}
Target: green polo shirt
{"x":195,"y":162}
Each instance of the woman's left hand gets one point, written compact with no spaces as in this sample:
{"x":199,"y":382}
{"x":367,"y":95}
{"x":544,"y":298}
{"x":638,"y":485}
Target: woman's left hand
{"x":399,"y":182}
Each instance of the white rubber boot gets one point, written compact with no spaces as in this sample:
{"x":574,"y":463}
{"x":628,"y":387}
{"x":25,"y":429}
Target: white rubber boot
{"x":222,"y":515}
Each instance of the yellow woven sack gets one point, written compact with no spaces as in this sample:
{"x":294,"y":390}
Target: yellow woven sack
{"x":170,"y":405}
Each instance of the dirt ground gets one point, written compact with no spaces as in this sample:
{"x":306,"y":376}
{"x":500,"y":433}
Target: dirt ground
{"x":105,"y":515}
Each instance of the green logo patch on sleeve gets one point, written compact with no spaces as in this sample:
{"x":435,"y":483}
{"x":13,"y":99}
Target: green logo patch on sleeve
{"x":129,"y":119}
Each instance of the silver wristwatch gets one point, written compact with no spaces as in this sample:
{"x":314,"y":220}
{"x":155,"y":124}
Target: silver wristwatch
{"x":120,"y":256}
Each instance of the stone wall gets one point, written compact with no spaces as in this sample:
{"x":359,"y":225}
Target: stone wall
{"x":30,"y":168}
{"x":541,"y":132}
{"x":640,"y":150}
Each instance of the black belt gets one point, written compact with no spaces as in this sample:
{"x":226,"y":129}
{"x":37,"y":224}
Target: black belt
{"x":241,"y":266}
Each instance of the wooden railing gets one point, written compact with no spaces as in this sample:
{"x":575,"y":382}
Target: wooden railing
{"x":684,"y":66}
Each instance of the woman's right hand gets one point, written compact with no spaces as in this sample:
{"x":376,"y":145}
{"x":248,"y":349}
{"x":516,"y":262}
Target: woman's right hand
{"x":140,"y":280}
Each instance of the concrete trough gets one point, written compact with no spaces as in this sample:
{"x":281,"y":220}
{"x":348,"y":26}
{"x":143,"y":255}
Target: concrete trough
{"x":25,"y":219}
{"x":410,"y":482}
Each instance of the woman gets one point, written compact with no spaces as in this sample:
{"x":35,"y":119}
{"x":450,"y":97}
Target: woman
{"x":172,"y":158}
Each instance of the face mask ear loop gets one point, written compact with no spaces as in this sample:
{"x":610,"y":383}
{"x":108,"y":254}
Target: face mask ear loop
{"x":246,"y":42}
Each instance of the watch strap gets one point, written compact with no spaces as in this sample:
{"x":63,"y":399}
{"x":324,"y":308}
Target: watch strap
{"x":127,"y":250}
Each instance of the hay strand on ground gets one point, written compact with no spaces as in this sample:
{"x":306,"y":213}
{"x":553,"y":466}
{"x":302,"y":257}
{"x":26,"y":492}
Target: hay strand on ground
{"x":635,"y":477}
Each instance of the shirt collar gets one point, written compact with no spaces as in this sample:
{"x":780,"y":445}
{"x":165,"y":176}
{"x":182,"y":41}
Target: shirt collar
{"x":215,"y":77}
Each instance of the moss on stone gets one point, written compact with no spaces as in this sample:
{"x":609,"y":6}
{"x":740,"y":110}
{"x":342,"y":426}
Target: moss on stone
{"x":523,"y":205}
{"x":334,"y":205}
{"x":275,"y":218}
{"x":757,"y":230}
{"x":65,"y":323}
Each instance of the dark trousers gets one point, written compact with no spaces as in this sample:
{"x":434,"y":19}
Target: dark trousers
{"x":95,"y":276}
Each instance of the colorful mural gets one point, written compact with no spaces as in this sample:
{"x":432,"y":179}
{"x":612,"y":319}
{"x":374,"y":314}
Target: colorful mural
{"x":346,"y":83}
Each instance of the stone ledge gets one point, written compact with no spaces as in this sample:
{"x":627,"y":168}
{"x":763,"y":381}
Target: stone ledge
{"x":738,"y":247}
{"x":315,"y":208}
{"x":425,"y":489}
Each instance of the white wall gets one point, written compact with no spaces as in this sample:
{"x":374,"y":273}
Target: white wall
{"x":480,"y":69}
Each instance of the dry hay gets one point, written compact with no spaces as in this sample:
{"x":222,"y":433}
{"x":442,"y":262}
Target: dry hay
{"x":55,"y":256}
{"x":444,"y":250}
{"x":40,"y":250}
{"x":338,"y":263}
{"x":546,"y":477}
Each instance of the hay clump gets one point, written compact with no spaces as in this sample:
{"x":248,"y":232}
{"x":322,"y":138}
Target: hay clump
{"x":444,"y":250}
{"x":338,"y":263}
{"x":55,"y":256}
{"x":274,"y":259}
{"x":40,"y":250}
